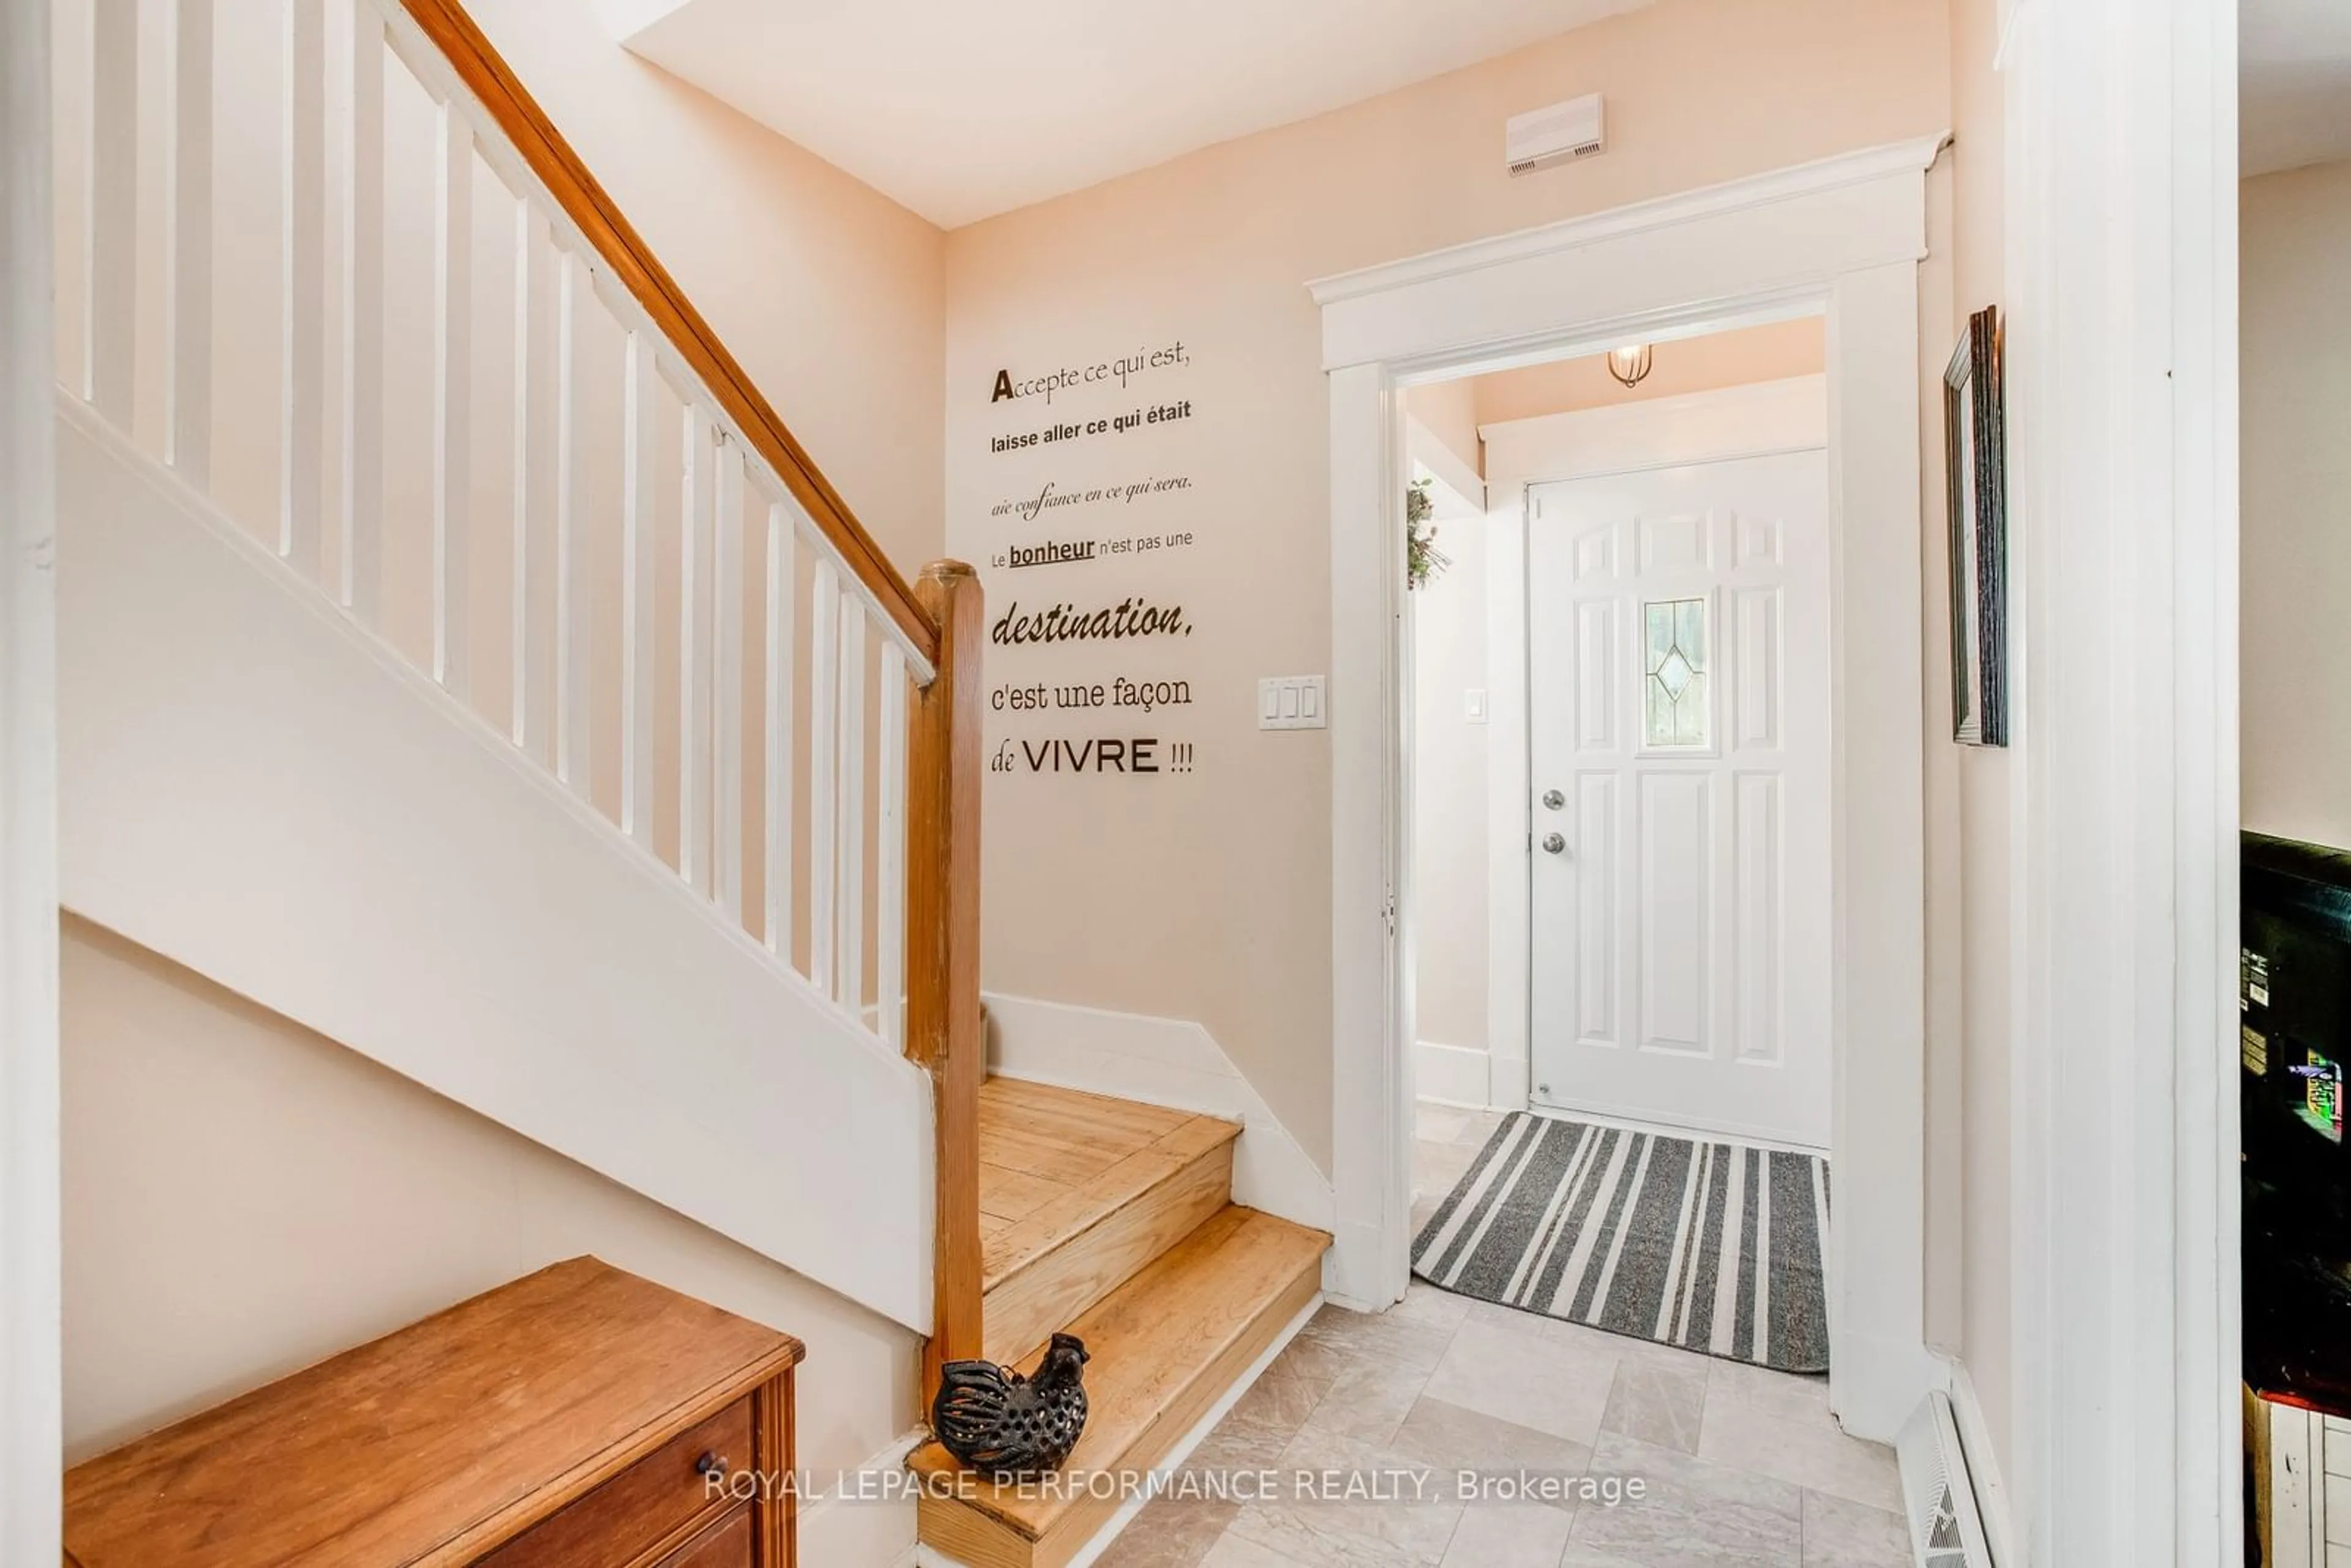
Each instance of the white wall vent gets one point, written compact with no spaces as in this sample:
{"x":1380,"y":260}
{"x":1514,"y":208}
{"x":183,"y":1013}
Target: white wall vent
{"x":1542,"y":137}
{"x":1946,"y":1529}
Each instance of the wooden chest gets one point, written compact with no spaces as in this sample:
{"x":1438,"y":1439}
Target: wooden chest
{"x":581,"y":1418}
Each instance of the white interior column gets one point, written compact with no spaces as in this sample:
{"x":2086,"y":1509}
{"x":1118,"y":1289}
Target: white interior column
{"x":2122,"y":379}
{"x":30,"y":1417}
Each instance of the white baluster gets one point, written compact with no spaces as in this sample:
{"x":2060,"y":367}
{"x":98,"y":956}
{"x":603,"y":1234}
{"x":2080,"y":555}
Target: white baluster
{"x":639,"y":393}
{"x":727,"y":683}
{"x":110,"y":240}
{"x":362,"y":319}
{"x":849,"y":948}
{"x":452,"y":425}
{"x":302,"y":288}
{"x":188,"y":242}
{"x":694,"y":656}
{"x":573,"y":565}
{"x":890,"y":852}
{"x":824,"y":705}
{"x":782,"y":544}
{"x":529,"y":649}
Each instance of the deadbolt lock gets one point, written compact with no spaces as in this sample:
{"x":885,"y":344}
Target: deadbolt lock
{"x":1554,"y":799}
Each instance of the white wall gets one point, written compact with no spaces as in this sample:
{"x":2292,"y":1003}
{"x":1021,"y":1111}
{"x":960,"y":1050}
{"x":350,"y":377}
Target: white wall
{"x":1971,"y":921}
{"x":244,"y":1197}
{"x":1449,"y":848}
{"x":250,"y":786}
{"x":2295,"y":239}
{"x":29,"y":1260}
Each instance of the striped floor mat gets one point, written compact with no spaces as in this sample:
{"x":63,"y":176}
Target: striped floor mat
{"x":1711,"y":1247}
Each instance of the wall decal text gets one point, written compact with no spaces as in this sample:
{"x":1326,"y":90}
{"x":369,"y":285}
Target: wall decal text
{"x":1068,"y":623}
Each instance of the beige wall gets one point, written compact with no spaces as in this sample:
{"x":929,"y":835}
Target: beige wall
{"x":244,"y":1197}
{"x":2295,"y":240}
{"x":1449,"y":411}
{"x":1207,"y":895}
{"x":1969,"y":1272}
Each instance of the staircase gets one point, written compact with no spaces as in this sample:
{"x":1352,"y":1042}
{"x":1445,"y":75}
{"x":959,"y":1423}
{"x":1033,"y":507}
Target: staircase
{"x":1114,"y":1221}
{"x":459,"y":658}
{"x":501,"y":691}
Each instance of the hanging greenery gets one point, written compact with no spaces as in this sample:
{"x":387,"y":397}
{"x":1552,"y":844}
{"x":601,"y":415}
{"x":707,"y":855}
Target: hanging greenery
{"x":1422,"y":559}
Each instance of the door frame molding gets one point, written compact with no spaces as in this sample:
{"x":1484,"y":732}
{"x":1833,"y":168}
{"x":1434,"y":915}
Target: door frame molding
{"x":1843,"y":238}
{"x":31,"y":1354}
{"x":1758,"y":419}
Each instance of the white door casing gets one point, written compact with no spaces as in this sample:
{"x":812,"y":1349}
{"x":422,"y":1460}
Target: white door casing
{"x":1841,"y":237}
{"x":1677,"y":648}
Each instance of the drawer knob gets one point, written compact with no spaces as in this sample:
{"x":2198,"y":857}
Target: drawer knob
{"x":711,"y":1464}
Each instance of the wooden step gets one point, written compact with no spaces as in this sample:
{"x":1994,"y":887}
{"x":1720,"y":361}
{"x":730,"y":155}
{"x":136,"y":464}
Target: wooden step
{"x":1165,"y":1346}
{"x":1076,"y":1193}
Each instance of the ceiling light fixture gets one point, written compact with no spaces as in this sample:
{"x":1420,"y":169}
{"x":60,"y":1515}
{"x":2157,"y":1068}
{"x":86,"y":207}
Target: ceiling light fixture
{"x":1630,"y":365}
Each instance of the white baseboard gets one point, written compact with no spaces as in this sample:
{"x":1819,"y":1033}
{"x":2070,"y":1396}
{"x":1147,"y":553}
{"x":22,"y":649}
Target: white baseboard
{"x":1161,"y":1061}
{"x":856,"y":1530}
{"x":1983,"y":1465}
{"x":1875,"y":1383}
{"x":1450,"y":1074}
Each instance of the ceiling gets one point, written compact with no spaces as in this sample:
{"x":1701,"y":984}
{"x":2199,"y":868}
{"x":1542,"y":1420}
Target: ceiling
{"x":960,"y":111}
{"x":2294,"y":75}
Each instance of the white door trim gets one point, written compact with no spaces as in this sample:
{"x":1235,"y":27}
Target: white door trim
{"x":1751,"y":420}
{"x":1843,"y":236}
{"x":2121,"y":267}
{"x":30,"y":1403}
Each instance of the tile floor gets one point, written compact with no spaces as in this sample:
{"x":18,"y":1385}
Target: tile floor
{"x":1744,"y":1468}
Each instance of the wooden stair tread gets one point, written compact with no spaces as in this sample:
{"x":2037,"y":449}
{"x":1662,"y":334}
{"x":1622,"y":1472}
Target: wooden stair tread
{"x":1055,"y":1162}
{"x":1164,"y":1345}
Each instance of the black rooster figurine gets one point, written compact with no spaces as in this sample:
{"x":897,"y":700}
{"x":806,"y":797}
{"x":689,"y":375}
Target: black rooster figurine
{"x":1007,"y":1425}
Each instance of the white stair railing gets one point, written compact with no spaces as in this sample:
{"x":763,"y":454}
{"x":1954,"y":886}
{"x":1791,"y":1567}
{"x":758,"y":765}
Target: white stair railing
{"x":474,"y":438}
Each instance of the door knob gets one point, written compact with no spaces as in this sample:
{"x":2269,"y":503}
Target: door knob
{"x":1555,"y":844}
{"x":1554,"y":799}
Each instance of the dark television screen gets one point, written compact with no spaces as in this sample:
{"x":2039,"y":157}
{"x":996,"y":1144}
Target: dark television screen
{"x":2294,"y":1012}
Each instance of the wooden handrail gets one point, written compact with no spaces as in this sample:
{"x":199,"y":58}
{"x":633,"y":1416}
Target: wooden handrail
{"x":485,"y":72}
{"x":943,"y":1018}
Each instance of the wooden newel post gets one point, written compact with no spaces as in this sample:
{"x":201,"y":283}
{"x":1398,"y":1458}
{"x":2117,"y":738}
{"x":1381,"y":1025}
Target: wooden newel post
{"x":942,"y":1020}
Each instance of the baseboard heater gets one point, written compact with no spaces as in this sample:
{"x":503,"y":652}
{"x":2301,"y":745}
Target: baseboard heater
{"x":1946,"y":1527}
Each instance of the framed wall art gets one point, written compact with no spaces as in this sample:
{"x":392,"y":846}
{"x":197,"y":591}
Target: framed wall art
{"x":1975,"y":462}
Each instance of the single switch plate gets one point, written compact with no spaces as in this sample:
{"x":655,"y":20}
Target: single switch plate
{"x":1474,"y":706}
{"x":1290,"y":702}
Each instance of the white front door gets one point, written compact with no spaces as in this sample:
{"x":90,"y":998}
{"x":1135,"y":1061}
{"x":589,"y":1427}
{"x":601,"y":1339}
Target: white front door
{"x":1678,"y":741}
